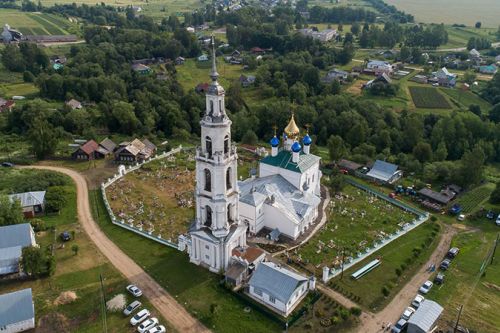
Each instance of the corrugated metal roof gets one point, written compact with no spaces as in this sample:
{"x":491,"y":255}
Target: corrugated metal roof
{"x":9,"y":253}
{"x":16,"y":307}
{"x":426,"y":315}
{"x":28,"y":199}
{"x":284,"y":160}
{"x":15,"y":235}
{"x":276,"y":281}
{"x":382,"y":170}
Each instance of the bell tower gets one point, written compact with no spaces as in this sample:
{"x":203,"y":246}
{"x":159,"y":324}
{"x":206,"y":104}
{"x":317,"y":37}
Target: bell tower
{"x":217,"y":194}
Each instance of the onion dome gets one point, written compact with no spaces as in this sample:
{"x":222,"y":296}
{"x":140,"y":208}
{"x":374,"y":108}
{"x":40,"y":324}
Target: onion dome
{"x":307,"y":140}
{"x":275,"y":142}
{"x":296,"y":147}
{"x":292,"y":130}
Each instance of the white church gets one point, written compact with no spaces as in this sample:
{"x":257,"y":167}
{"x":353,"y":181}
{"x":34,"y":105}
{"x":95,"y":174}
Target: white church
{"x":284,"y":197}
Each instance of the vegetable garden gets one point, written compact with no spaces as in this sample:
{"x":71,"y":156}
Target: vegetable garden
{"x":428,"y":98}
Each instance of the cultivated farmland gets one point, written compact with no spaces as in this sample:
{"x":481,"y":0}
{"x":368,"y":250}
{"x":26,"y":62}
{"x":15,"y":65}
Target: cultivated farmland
{"x":35,"y":23}
{"x":475,"y":197}
{"x":428,"y":98}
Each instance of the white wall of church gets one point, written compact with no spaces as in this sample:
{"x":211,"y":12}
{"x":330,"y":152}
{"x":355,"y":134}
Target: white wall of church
{"x":274,"y":218}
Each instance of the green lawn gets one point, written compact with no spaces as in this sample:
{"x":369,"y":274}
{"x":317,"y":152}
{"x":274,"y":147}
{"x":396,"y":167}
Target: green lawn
{"x":466,"y":98}
{"x":367,"y":291}
{"x":194,"y":287}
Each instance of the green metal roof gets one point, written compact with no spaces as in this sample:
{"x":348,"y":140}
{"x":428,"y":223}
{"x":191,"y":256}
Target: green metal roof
{"x":284,"y":160}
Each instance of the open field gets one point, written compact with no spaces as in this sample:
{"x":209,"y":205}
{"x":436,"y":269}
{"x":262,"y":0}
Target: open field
{"x":400,"y":260}
{"x":459,"y":36}
{"x":428,"y":98}
{"x":158,"y":196}
{"x":464,"y":284}
{"x":452,"y":11}
{"x":355,"y":221}
{"x":78,"y":274}
{"x":194,"y":287}
{"x":466,"y":98}
{"x":35,"y":23}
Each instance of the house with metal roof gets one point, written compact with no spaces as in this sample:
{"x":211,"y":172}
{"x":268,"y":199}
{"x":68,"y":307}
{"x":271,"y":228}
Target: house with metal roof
{"x":278,"y":288}
{"x":32,"y":203}
{"x":384,"y":172}
{"x":13,"y":238}
{"x":17,"y":311}
{"x":425,"y":318}
{"x":135,"y":151}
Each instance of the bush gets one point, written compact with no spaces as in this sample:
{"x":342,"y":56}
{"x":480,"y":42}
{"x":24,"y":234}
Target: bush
{"x":38,"y":225}
{"x":433,"y":218}
{"x":356,"y":311}
{"x":398,"y":271}
{"x":344,"y":314}
{"x":55,"y":199}
{"x":403,"y":267}
{"x":385,"y":291}
{"x":28,"y":76}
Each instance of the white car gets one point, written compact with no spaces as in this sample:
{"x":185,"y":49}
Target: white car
{"x":408,"y":313}
{"x":131,"y":308}
{"x":157,"y":329}
{"x":497,"y":222}
{"x":417,"y":301}
{"x":139,"y":317}
{"x":426,"y":287}
{"x":461,"y":217}
{"x":147,"y":325}
{"x":134,"y":290}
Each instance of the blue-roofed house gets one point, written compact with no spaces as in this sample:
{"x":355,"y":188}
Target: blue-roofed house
{"x":32,"y":203}
{"x":384,"y":172}
{"x":278,"y":288}
{"x":17,"y":311}
{"x":488,"y":69}
{"x":445,"y":78}
{"x":13,"y":238}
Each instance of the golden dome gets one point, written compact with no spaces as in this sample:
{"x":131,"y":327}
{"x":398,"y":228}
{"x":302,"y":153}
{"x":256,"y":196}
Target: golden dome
{"x":292,"y":130}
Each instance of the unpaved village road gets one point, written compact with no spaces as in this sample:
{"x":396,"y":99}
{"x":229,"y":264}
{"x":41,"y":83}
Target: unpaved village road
{"x":169,"y":308}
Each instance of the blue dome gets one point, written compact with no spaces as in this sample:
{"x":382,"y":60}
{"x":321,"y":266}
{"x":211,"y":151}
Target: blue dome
{"x":307,"y":140}
{"x":296,"y":147}
{"x":275,"y":142}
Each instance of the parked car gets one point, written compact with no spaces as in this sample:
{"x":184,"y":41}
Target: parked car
{"x":157,"y":329}
{"x":134,"y":290}
{"x":147,"y":325}
{"x":65,"y":236}
{"x":497,"y":222}
{"x":461,"y":217}
{"x":439,"y":279}
{"x":7,"y":164}
{"x":426,"y":287}
{"x":445,"y":264}
{"x":417,"y":301}
{"x":408,"y":313}
{"x":131,"y":308}
{"x":452,"y":253}
{"x":139,"y":317}
{"x":490,"y":215}
{"x":400,"y":326}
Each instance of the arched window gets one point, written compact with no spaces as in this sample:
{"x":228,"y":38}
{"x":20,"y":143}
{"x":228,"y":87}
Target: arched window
{"x":226,"y":144}
{"x":211,"y":107}
{"x":228,"y":179}
{"x":220,"y":106}
{"x":208,"y":216}
{"x":208,"y":146}
{"x":208,"y":180}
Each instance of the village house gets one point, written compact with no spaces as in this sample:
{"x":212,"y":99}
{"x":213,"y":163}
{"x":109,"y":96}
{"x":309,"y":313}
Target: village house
{"x":10,"y":35}
{"x":488,"y":69}
{"x":74,"y":104}
{"x":246,"y":81}
{"x":201,"y":88}
{"x":323,"y":36}
{"x":350,"y":167}
{"x":203,"y":58}
{"x":17,"y":311}
{"x":497,"y":59}
{"x":106,"y":148}
{"x":475,"y":56}
{"x":135,"y":151}
{"x":141,"y":69}
{"x":383,"y":78}
{"x":13,"y":238}
{"x":32,"y":203}
{"x":445,"y":78}
{"x":278,"y":288}
{"x":378,"y":67}
{"x":335,"y":74}
{"x":91,"y":150}
{"x":257,"y":50}
{"x":244,"y":261}
{"x":180,"y":61}
{"x":384,"y":173}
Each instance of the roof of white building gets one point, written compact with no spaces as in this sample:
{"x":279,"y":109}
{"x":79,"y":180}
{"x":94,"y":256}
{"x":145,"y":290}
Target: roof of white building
{"x":28,"y":199}
{"x":9,"y":253}
{"x":382,"y":170}
{"x":276,"y":281}
{"x":15,"y":235}
{"x":284,"y":161}
{"x":16,"y":307}
{"x":280,"y":193}
{"x":426,"y":315}
{"x":379,"y":63}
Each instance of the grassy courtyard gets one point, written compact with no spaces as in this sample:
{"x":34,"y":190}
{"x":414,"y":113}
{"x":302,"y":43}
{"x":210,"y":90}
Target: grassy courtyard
{"x":356,"y":220}
{"x":157,"y":197}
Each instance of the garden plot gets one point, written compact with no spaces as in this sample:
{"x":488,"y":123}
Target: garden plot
{"x":428,"y":98}
{"x":158,"y":197}
{"x":356,"y":221}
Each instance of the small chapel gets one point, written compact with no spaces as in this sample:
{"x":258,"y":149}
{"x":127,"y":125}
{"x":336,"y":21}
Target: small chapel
{"x":284,"y":197}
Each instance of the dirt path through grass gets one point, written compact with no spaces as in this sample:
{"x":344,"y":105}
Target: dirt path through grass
{"x":169,"y":308}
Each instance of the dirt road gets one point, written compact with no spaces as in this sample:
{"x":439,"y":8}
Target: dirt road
{"x":169,"y":308}
{"x":372,"y":323}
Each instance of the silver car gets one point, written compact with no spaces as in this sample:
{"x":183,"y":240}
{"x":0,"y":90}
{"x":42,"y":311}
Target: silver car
{"x":131,"y":308}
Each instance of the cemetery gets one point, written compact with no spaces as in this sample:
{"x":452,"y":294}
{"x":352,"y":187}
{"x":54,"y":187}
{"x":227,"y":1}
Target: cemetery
{"x":357,"y":222}
{"x":157,"y":197}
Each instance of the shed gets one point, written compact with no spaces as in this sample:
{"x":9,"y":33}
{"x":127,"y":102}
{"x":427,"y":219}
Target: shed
{"x":349,"y":166}
{"x":441,"y":198}
{"x":425,"y":318}
{"x":384,"y":172}
{"x":86,"y":152}
{"x":274,"y":235}
{"x":74,"y":104}
{"x":17,"y":311}
{"x":32,"y":203}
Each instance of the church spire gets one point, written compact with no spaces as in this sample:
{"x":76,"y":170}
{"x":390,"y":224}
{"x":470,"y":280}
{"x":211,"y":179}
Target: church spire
{"x":213,"y":73}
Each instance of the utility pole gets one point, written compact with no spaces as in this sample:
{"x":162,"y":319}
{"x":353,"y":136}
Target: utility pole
{"x":342,"y":267}
{"x":458,"y":319}
{"x":103,"y":299}
{"x":494,"y":249}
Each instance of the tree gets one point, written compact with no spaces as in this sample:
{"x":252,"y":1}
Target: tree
{"x":55,"y":199}
{"x":405,"y":54}
{"x":75,"y":249}
{"x":337,"y":181}
{"x":495,"y":195}
{"x":250,"y":138}
{"x":471,"y":167}
{"x":478,"y":25}
{"x":476,"y":109}
{"x":494,"y":114}
{"x":336,"y":147}
{"x":12,"y":58}
{"x":355,"y":28}
{"x":33,"y":263}
{"x":10,"y":212}
{"x":469,"y":77}
{"x":422,"y":152}
{"x":44,"y":138}
{"x":441,"y":152}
